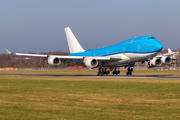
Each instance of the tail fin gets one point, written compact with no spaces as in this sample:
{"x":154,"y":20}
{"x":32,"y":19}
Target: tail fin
{"x":73,"y":44}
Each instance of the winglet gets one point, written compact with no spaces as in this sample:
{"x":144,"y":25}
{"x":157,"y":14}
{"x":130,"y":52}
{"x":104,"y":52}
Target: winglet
{"x":8,"y":51}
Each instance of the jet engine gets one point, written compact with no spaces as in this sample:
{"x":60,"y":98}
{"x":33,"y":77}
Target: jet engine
{"x":156,"y":62}
{"x":53,"y":61}
{"x":90,"y":63}
{"x":166,"y":60}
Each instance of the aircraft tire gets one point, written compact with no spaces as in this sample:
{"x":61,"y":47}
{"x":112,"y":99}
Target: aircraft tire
{"x":113,"y":73}
{"x":130,"y":73}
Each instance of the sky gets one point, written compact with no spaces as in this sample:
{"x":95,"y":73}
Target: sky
{"x":38,"y":25}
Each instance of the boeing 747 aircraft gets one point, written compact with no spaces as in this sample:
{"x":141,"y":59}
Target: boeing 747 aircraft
{"x":124,"y":54}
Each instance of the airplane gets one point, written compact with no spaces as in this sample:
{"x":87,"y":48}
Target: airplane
{"x":123,"y":54}
{"x":161,"y":59}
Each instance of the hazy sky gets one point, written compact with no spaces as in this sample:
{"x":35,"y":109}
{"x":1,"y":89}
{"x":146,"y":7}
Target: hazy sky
{"x":38,"y":25}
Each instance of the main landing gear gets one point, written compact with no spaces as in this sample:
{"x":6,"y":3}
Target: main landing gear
{"x":103,"y":71}
{"x":115,"y":72}
{"x":129,"y":71}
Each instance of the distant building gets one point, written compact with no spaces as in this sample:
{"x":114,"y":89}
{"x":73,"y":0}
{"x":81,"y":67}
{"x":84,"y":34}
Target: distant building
{"x":175,"y":60}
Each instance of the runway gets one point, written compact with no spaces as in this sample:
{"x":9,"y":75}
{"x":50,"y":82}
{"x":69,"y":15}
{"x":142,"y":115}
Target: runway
{"x":95,"y":76}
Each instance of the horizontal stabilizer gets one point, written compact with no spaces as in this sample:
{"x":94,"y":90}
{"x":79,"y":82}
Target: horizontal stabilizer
{"x":8,"y":51}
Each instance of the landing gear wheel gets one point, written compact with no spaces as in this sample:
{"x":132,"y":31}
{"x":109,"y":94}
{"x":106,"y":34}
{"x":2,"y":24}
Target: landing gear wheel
{"x":129,"y":72}
{"x":113,"y":72}
{"x":99,"y":73}
{"x":116,"y":72}
{"x":102,"y":71}
{"x":108,"y":72}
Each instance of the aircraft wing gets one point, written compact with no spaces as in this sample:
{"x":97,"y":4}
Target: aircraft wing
{"x":45,"y":56}
{"x":99,"y":58}
{"x":166,"y":54}
{"x":24,"y":54}
{"x":58,"y":56}
{"x":161,"y":59}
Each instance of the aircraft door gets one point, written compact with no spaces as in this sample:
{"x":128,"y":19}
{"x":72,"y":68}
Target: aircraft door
{"x":138,"y":48}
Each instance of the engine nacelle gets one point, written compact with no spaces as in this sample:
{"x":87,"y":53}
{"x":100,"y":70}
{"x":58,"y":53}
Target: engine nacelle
{"x":53,"y":61}
{"x":166,"y":60}
{"x":90,"y":63}
{"x":156,"y":62}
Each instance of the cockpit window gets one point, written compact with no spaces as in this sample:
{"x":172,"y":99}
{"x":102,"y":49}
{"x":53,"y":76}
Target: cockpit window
{"x":151,"y":38}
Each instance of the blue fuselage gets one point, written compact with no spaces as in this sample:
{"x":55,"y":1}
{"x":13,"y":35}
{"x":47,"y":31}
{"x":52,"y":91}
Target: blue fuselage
{"x":140,"y":45}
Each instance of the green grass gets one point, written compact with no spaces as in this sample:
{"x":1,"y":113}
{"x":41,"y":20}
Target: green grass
{"x":88,"y":98}
{"x":93,"y":72}
{"x":51,"y":71}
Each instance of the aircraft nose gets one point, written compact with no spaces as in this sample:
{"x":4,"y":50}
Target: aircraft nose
{"x":159,"y":46}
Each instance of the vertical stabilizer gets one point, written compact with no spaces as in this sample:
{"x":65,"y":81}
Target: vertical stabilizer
{"x":73,"y":44}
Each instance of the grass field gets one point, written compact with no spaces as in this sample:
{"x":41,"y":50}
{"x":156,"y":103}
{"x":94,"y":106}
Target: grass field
{"x":88,"y":98}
